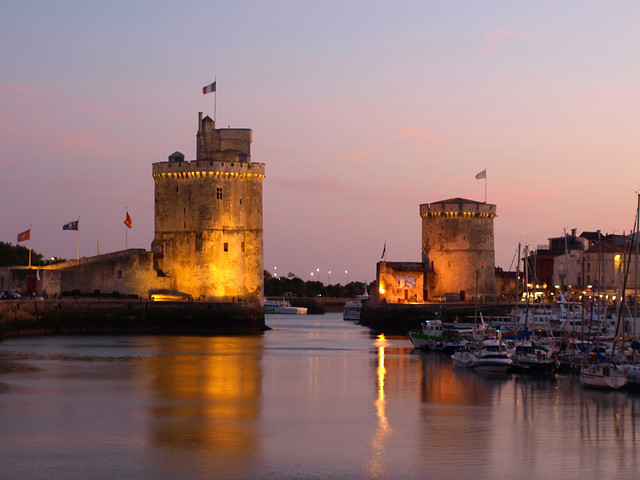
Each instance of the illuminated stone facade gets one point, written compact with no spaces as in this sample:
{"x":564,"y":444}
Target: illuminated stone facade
{"x":458,"y":246}
{"x":208,"y":217}
{"x":400,"y":282}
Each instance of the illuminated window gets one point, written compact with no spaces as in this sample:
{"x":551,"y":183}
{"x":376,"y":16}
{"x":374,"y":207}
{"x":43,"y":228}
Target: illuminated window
{"x":226,"y":247}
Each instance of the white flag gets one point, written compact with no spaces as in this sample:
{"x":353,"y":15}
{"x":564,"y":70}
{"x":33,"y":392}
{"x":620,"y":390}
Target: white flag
{"x":482,"y":174}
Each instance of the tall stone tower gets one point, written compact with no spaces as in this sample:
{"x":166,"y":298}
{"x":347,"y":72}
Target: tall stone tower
{"x":458,"y":247}
{"x":208,"y":217}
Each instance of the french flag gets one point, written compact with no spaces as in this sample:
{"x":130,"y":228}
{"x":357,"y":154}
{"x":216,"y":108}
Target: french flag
{"x":209,"y":88}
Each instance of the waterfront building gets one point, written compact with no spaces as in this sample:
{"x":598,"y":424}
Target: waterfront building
{"x":458,"y":248}
{"x":458,"y":257}
{"x":208,"y":217}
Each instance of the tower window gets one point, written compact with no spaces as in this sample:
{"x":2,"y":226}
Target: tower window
{"x":226,"y":247}
{"x":242,"y":246}
{"x":120,"y":274}
{"x":219,"y":193}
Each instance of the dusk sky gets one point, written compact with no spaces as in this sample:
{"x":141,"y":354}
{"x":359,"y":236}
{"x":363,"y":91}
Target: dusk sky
{"x":361,"y":111}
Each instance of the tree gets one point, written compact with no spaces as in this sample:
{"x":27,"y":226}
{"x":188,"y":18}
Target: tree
{"x":17,"y":255}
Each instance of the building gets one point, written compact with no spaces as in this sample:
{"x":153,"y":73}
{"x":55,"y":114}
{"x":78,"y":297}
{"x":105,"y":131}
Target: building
{"x":559,"y":263}
{"x":458,"y":257}
{"x":208,"y":217}
{"x":458,"y":247}
{"x":400,"y":282}
{"x":208,"y":233}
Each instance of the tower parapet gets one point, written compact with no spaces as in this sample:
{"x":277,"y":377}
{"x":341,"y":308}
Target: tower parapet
{"x":208,"y":217}
{"x":458,"y":246}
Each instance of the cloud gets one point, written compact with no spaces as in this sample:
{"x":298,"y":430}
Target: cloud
{"x":64,"y":126}
{"x":496,"y":37}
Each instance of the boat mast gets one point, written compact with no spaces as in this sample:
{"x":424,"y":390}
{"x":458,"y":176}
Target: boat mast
{"x":635,"y":292}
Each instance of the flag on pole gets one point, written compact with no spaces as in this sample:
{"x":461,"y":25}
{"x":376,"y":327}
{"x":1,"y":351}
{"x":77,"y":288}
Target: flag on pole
{"x":127,"y":221}
{"x":482,"y":174}
{"x":384,"y":249}
{"x":71,"y":225}
{"x":209,"y":88}
{"x":24,"y":236}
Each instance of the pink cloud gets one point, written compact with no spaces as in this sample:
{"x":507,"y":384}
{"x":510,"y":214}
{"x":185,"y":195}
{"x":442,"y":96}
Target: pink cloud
{"x":496,"y":37}
{"x":356,"y":156}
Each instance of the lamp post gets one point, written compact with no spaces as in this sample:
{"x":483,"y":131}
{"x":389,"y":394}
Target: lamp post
{"x":346,"y":272}
{"x":329,"y":278}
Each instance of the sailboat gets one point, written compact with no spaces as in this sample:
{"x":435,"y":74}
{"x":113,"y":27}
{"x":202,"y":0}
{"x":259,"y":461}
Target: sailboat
{"x":602,"y":375}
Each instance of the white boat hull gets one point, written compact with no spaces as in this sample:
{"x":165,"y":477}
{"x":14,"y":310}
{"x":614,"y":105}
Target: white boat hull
{"x":602,"y":376}
{"x":491,"y":367}
{"x":463,"y":359}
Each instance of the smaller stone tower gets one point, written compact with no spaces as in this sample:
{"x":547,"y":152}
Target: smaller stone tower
{"x":208,"y":217}
{"x":457,"y":247}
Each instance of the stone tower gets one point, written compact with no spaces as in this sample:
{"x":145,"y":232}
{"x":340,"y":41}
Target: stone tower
{"x":457,"y":246}
{"x":208,"y":217}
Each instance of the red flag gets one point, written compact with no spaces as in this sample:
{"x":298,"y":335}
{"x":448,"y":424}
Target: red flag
{"x":127,"y":221}
{"x":24,"y":236}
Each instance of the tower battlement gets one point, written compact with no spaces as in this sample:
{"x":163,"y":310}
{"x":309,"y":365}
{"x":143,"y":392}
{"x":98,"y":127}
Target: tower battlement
{"x":457,"y":207}
{"x":207,"y":168}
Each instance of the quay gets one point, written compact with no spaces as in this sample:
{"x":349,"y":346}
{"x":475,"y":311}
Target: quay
{"x":128,"y":316}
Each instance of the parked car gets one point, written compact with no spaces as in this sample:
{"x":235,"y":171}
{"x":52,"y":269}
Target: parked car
{"x":7,"y":295}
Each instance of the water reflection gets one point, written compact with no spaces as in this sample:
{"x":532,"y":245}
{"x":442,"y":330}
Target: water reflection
{"x":208,"y":398}
{"x":377,"y":466}
{"x":313,"y":398}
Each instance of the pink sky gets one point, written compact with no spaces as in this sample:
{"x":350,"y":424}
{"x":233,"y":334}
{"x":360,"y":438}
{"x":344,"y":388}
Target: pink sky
{"x":360,"y":111}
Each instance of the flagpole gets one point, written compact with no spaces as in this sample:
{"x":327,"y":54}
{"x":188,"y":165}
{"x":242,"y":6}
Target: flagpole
{"x":485,"y":185}
{"x":29,"y":247}
{"x":78,"y":250}
{"x":215,"y":99}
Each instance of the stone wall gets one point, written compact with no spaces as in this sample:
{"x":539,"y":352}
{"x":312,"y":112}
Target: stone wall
{"x":400,"y":282}
{"x":126,"y":272}
{"x":94,"y":316}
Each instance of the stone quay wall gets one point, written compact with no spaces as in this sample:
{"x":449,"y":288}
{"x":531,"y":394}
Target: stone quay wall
{"x":102,"y":316}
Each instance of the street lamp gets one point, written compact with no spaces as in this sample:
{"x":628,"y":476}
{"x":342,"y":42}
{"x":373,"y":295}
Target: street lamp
{"x":346,"y":272}
{"x":329,"y":278}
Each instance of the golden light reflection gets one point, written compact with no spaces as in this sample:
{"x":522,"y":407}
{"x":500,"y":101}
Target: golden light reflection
{"x":206,"y":398}
{"x":376,"y":465}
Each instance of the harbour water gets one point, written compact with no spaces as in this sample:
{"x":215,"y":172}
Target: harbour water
{"x":315,"y":397}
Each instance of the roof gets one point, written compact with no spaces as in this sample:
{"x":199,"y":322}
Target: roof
{"x":458,"y":200}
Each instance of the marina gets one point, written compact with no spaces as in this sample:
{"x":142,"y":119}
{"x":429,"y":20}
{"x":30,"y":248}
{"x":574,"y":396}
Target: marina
{"x":314,"y":397}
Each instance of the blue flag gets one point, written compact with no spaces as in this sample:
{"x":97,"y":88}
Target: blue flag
{"x":71,"y":225}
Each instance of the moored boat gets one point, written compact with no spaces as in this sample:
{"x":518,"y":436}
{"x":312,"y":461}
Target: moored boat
{"x":283,"y":306}
{"x":429,"y":337}
{"x":353,"y":308}
{"x":602,"y":375}
{"x":528,"y":357}
{"x":493,"y":357}
{"x":463,"y":359}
